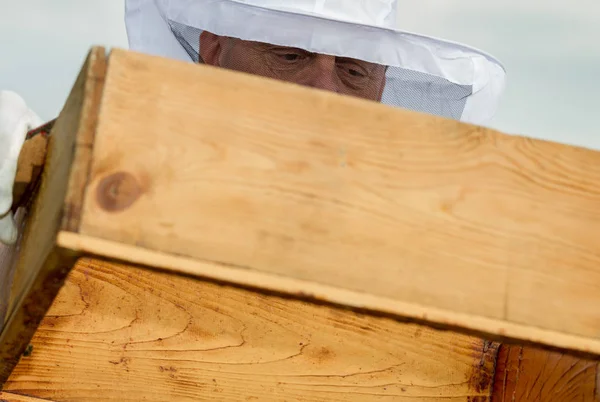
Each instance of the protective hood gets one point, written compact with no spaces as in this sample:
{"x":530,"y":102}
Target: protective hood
{"x":424,"y":74}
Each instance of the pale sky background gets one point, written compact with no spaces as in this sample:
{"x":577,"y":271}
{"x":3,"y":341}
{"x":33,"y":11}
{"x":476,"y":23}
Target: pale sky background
{"x":550,"y":48}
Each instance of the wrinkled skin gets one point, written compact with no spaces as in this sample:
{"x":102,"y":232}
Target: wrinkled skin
{"x":336,"y":74}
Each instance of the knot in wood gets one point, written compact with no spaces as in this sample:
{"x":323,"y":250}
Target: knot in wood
{"x":118,"y":192}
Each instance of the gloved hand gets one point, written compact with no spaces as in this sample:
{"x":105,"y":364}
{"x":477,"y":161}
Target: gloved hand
{"x":16,"y":119}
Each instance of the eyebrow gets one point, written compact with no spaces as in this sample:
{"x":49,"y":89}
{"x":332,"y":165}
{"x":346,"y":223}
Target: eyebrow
{"x":366,"y":64}
{"x":279,"y":47}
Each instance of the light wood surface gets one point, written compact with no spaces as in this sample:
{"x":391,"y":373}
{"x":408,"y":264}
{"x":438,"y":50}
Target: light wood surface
{"x":285,"y":190}
{"x":130,"y":334}
{"x":498,"y":233}
{"x":306,"y":290}
{"x":41,"y":267}
{"x":29,"y":167}
{"x":10,"y":397}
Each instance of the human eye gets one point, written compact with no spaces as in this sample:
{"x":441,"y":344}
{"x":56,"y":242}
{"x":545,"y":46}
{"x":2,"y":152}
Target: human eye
{"x":353,"y":70}
{"x":356,"y":72}
{"x":289,"y":55}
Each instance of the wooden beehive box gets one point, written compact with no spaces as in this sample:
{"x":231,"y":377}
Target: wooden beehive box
{"x":200,"y":234}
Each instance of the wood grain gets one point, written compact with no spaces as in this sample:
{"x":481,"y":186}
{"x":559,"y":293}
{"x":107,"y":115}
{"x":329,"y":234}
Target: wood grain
{"x":466,"y":226}
{"x":40,"y":266}
{"x":127,"y":333}
{"x":535,"y":375}
{"x":8,"y":264}
{"x":29,"y":167}
{"x":10,"y":397}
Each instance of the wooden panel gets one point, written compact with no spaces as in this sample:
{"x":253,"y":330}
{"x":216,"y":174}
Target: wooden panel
{"x":394,"y":211}
{"x":8,"y":264}
{"x":10,"y":397}
{"x":131,"y":334}
{"x":535,"y":375}
{"x":41,"y":267}
{"x":29,"y":167}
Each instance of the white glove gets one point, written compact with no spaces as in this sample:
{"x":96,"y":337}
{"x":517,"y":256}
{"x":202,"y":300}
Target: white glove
{"x":16,"y":119}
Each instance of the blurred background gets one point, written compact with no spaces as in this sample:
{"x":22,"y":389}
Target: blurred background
{"x":550,"y":49}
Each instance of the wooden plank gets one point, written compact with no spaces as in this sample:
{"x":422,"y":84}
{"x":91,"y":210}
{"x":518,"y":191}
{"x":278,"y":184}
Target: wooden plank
{"x":31,"y":162}
{"x":41,"y":266}
{"x":29,"y":167}
{"x":345,"y":200}
{"x":10,"y":397}
{"x":131,"y":334}
{"x":535,"y":375}
{"x":8,"y":264}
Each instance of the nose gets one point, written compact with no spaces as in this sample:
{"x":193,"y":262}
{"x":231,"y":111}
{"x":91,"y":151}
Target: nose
{"x":323,"y":74}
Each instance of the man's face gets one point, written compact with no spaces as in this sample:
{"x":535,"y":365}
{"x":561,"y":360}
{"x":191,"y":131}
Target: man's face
{"x":342,"y":75}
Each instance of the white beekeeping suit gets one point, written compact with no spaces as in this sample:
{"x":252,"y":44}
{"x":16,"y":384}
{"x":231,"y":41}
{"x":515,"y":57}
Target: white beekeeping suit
{"x":347,"y":46}
{"x":16,"y":119}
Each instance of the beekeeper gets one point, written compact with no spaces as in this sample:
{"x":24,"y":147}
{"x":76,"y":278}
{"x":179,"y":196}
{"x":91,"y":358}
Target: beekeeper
{"x":351,"y":47}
